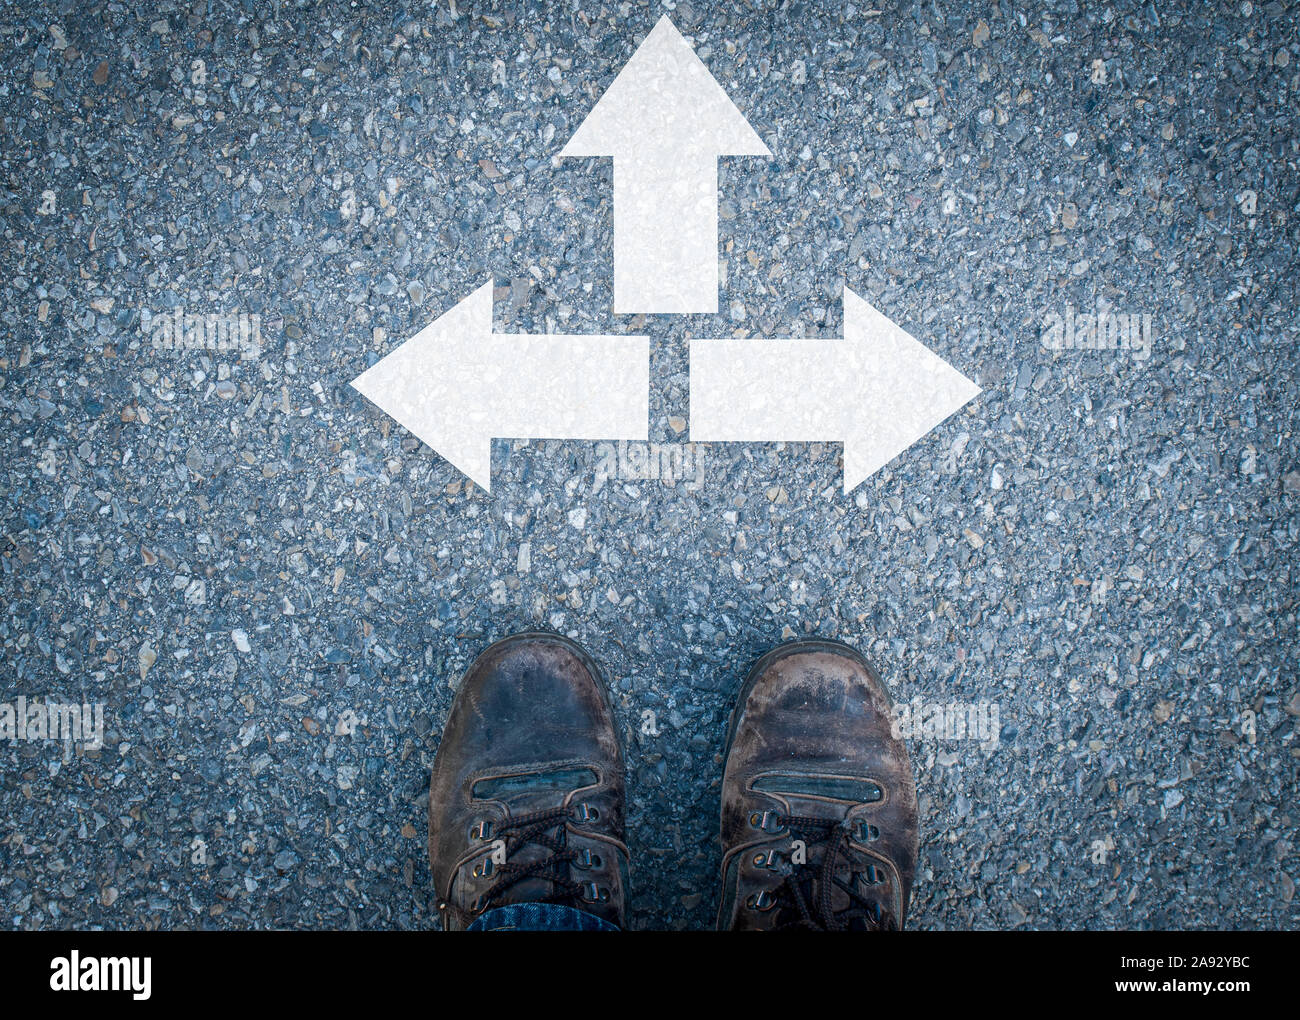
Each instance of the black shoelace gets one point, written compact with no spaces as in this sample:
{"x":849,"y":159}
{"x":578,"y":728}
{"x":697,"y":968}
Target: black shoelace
{"x":804,"y":899}
{"x":545,"y":829}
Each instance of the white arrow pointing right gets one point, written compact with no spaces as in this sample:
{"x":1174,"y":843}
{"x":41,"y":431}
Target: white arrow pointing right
{"x":878,"y":390}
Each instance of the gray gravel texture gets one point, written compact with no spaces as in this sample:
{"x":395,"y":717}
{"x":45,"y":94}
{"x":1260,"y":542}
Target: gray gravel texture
{"x":273,"y":590}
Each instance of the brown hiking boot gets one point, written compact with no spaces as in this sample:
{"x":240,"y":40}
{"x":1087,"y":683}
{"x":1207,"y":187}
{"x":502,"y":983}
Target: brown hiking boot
{"x":819,"y":807}
{"x":526,"y":800}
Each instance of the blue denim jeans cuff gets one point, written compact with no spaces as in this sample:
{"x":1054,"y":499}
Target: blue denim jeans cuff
{"x":540,"y":917}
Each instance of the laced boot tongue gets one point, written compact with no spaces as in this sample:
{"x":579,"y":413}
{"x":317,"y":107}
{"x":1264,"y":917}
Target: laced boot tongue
{"x":534,"y":888}
{"x":534,"y":834}
{"x":837,"y":887}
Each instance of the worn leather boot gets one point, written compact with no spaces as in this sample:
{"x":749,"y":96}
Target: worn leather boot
{"x":819,"y":813}
{"x":526,"y":800}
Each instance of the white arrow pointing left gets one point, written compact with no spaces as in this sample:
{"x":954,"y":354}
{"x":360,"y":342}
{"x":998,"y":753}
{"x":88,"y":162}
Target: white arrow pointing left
{"x":457,"y":385}
{"x":877,"y":391}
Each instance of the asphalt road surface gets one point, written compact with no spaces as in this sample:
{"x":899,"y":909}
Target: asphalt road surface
{"x":270,"y":589}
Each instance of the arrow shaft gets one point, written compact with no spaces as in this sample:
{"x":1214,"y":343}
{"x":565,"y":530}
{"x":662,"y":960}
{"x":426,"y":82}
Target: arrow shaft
{"x":560,"y":386}
{"x":767,"y":390}
{"x":666,"y":233}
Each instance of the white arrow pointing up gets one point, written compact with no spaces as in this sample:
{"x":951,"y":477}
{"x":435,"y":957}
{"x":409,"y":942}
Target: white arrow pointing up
{"x":878,"y":390}
{"x":665,"y":121}
{"x":457,"y":385}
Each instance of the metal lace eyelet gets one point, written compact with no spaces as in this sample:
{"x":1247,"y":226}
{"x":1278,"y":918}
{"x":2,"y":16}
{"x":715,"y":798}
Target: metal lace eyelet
{"x":768,"y":821}
{"x":484,"y":868}
{"x":586,"y":813}
{"x":864,"y":832}
{"x":587,"y":860}
{"x":593,"y":893}
{"x":761,"y":900}
{"x":765,"y":859}
{"x":481,"y":830}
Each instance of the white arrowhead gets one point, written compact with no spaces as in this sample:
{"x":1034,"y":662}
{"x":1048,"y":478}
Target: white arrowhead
{"x":457,"y":385}
{"x":878,"y":390}
{"x":665,"y":121}
{"x":665,"y":99}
